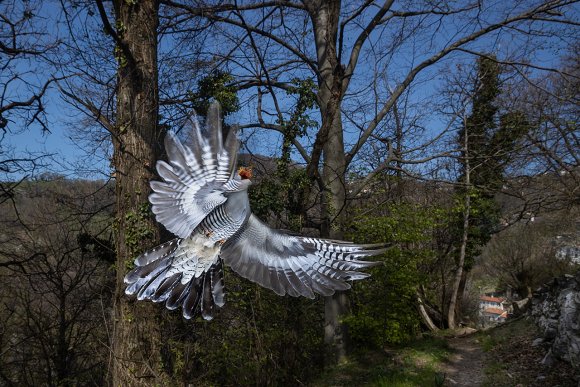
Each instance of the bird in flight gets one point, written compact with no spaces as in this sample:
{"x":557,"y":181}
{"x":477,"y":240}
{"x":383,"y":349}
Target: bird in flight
{"x":203,"y":200}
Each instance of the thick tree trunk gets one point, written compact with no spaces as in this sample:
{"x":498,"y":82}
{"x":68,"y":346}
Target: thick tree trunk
{"x":335,"y":334}
{"x":137,"y":327}
{"x":330,"y":143}
{"x":337,"y":305}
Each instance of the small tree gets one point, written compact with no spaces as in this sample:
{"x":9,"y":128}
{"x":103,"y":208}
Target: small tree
{"x":486,"y":141}
{"x":524,"y":257}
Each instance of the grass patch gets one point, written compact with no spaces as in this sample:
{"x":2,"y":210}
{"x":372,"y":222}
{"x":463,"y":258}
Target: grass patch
{"x":488,"y":342}
{"x":495,"y":374}
{"x":493,"y":337}
{"x":416,"y":364}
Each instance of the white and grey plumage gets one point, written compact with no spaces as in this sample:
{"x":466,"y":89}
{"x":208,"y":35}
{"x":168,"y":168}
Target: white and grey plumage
{"x":204,"y":202}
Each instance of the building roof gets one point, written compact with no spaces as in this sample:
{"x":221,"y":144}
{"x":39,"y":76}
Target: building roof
{"x":497,"y":311}
{"x":491,"y":299}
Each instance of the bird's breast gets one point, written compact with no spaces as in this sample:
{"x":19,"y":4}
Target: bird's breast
{"x":194,"y":256}
{"x":220,"y":225}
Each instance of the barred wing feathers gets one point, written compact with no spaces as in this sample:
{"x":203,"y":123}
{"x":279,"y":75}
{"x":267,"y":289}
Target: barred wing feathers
{"x":172,"y":274}
{"x":194,"y":176}
{"x":294,"y":265}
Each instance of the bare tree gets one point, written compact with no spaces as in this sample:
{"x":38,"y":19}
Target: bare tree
{"x":551,"y":147}
{"x":111,"y":59}
{"x":51,"y":301}
{"x":524,"y":257}
{"x":348,"y":50}
{"x":23,"y":40}
{"x":466,"y":211}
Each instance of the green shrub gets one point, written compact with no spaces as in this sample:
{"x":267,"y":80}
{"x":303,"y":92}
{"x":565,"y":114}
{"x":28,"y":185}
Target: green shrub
{"x":383,"y":306}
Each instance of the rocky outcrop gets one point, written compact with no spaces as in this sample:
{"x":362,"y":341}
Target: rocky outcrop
{"x":521,"y":307}
{"x":556,"y":308}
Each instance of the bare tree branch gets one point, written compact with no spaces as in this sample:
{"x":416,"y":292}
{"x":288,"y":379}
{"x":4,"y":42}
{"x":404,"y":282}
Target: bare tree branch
{"x":437,"y":57}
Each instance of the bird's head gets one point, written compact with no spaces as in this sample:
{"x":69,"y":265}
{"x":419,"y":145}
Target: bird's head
{"x":244,"y":176}
{"x":245,"y":173}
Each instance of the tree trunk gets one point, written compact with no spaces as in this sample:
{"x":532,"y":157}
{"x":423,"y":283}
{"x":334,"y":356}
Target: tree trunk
{"x":62,"y":362}
{"x":137,"y":327}
{"x":461,"y":292}
{"x":329,"y":142}
{"x":424,"y":315}
{"x":337,"y":305}
{"x":433,"y":317}
{"x":451,"y":311}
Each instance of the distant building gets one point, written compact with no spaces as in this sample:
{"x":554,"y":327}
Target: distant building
{"x":492,"y":310}
{"x":491,"y":302}
{"x":494,"y":314}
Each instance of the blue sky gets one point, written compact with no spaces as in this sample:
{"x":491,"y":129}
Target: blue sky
{"x":66,"y":157}
{"x":70,"y":159}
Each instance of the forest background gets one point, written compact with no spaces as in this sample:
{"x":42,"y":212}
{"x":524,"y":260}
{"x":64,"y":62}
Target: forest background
{"x":448,"y":129}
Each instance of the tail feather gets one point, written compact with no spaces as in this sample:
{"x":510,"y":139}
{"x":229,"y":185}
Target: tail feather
{"x":166,"y":287}
{"x":157,"y":253}
{"x":217,"y":284}
{"x":178,"y":294}
{"x":191,"y":301}
{"x":147,"y":271}
{"x":154,"y":280}
{"x":139,"y":278}
{"x":207,"y":304}
{"x":136,"y":286}
{"x":149,"y":289}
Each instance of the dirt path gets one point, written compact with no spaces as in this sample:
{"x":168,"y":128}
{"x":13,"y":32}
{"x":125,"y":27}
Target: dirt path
{"x":466,"y":363}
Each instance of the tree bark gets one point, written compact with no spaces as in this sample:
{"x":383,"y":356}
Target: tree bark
{"x":451,"y":311}
{"x":329,"y":142}
{"x":62,"y":362}
{"x":461,"y":292}
{"x":424,"y":314}
{"x":137,"y":138}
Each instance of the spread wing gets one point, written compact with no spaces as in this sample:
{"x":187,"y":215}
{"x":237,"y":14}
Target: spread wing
{"x":299,"y":266}
{"x":195,"y":176}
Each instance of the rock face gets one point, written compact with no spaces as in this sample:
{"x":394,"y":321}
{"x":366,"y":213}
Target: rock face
{"x":556,"y":308}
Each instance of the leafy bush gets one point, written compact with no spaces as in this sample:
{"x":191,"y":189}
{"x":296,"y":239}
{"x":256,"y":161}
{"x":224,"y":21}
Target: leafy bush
{"x":383,"y":306}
